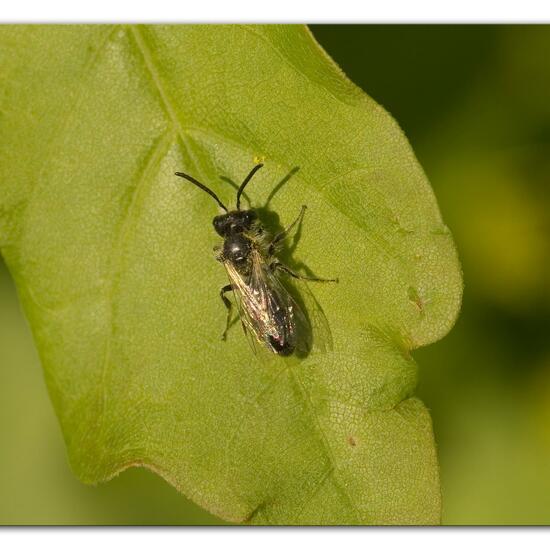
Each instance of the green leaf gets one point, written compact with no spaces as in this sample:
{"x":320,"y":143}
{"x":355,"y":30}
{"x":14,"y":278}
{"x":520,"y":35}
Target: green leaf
{"x":112,"y":257}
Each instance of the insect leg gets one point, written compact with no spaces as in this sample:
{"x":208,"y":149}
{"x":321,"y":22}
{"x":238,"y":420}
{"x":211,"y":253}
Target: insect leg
{"x":282,"y":267}
{"x":228,"y":305}
{"x":280,"y":236}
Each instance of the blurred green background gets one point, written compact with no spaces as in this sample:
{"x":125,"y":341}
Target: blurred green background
{"x":475,"y":103}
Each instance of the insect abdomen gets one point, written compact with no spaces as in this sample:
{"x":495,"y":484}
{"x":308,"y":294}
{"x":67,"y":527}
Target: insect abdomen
{"x":282,"y":338}
{"x":281,"y":347}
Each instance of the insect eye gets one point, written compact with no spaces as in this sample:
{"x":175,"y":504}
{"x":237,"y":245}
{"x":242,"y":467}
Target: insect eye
{"x":220,"y":225}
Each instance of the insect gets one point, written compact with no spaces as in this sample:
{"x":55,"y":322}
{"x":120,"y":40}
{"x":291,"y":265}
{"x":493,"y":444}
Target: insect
{"x":267,"y":309}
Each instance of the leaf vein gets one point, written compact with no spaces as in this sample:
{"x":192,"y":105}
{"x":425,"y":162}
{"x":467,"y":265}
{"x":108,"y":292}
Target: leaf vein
{"x":158,"y":151}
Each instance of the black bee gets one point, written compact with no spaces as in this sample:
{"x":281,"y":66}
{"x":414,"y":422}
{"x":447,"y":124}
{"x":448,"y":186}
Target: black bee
{"x":267,"y":309}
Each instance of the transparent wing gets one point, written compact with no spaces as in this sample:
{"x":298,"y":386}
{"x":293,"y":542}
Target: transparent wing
{"x":267,"y":307}
{"x":267,"y":311}
{"x":311,"y":325}
{"x":283,"y":316}
{"x":320,"y":339}
{"x":238,"y":284}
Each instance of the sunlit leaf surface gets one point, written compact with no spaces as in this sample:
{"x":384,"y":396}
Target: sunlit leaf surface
{"x":112,"y":256}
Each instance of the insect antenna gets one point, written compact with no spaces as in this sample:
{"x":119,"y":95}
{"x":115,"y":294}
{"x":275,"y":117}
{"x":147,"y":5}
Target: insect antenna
{"x":203,"y":187}
{"x":245,"y":182}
